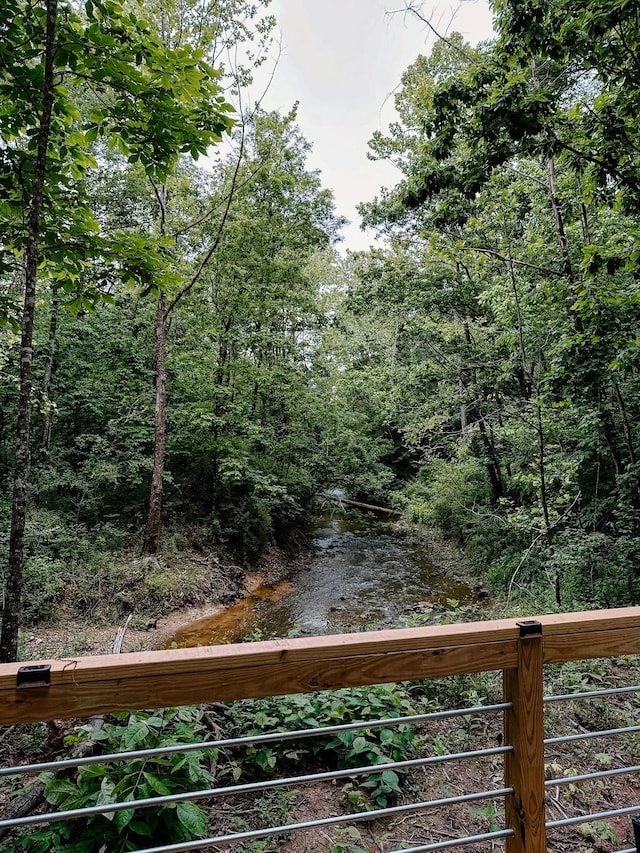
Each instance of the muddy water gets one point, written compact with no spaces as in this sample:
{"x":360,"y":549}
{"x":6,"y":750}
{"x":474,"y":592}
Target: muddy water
{"x":364,"y":576}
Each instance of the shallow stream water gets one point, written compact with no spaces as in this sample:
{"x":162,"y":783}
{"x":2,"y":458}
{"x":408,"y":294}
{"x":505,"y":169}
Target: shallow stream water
{"x":364,"y":576}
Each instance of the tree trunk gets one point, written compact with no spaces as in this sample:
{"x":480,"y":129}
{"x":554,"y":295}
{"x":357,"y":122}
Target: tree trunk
{"x":48,"y":372}
{"x":13,"y":585}
{"x":610,"y":435}
{"x":151,"y":542}
{"x":464,"y":424}
{"x":524,"y":380}
{"x":561,"y":237}
{"x":493,"y":465}
{"x":626,"y":426}
{"x":542,"y":473}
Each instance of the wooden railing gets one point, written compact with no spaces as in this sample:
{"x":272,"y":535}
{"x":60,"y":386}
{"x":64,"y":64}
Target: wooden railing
{"x":85,"y":686}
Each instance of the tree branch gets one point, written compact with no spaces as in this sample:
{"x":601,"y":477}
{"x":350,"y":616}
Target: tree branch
{"x":507,"y":260}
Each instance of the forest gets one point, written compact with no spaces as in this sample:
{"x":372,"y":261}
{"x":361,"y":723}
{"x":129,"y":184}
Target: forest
{"x":188,"y":356}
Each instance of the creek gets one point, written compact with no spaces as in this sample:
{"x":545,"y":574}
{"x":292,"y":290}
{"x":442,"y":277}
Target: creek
{"x":364,"y":575}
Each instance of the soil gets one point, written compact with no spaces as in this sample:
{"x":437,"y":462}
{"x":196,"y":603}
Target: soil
{"x":318,"y":800}
{"x":73,"y":636}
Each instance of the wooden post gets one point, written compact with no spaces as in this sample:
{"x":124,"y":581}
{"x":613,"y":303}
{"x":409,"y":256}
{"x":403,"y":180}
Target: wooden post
{"x":524,"y":730}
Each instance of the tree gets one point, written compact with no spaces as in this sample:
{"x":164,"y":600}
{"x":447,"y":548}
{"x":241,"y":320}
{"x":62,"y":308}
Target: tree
{"x":243,"y":404}
{"x":216,"y":29}
{"x":152,"y":103}
{"x":519,"y":193}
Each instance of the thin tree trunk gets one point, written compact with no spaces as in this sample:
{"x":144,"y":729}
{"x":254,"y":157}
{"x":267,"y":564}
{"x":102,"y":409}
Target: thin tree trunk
{"x":584,"y":215}
{"x":13,"y":585}
{"x":628,"y":435}
{"x":48,"y":372}
{"x":524,"y":380}
{"x":626,"y":427}
{"x":464,"y":425}
{"x":609,"y":430}
{"x":542,"y":472}
{"x":493,"y":465}
{"x":151,"y":542}
{"x":4,"y":455}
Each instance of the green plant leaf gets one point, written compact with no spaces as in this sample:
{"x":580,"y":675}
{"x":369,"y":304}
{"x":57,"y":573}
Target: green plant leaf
{"x":192,"y":819}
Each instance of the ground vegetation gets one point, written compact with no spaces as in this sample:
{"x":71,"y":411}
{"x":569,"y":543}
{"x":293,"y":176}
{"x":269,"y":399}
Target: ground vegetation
{"x":186,"y":359}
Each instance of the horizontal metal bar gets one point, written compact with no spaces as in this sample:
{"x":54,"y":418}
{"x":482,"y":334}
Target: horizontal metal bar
{"x":593,"y":694}
{"x":586,"y":735}
{"x":460,"y":842}
{"x":584,"y":777}
{"x":627,"y":850}
{"x":568,"y":821}
{"x":327,"y":821}
{"x":229,"y":743}
{"x":230,"y":790}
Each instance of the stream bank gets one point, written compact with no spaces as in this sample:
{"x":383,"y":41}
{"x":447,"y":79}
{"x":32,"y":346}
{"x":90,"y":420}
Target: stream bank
{"x":365,"y":573}
{"x":360,"y":572}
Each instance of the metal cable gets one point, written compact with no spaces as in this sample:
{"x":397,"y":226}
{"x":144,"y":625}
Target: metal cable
{"x":586,"y":735}
{"x":328,"y":821}
{"x":460,"y":842}
{"x":593,"y":694}
{"x":568,"y":821}
{"x":599,"y":774}
{"x":245,"y":741}
{"x":148,"y":802}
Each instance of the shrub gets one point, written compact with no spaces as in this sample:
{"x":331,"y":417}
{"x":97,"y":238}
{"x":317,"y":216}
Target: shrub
{"x":448,"y":495}
{"x":339,"y":750}
{"x":42,"y":589}
{"x":120,"y":781}
{"x":596,"y":570}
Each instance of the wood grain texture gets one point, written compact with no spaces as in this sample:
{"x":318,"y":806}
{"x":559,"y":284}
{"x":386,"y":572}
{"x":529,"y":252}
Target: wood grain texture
{"x":595,"y":644}
{"x":524,"y":767}
{"x":73,"y":694}
{"x":91,"y":685}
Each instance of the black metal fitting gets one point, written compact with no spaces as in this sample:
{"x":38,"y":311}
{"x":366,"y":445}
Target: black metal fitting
{"x":34,"y":675}
{"x":530,"y":628}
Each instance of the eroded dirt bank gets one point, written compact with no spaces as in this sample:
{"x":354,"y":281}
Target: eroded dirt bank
{"x":334,"y":585}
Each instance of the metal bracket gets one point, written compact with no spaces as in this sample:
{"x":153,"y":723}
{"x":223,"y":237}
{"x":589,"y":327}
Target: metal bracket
{"x":34,"y":675}
{"x":530,"y":628}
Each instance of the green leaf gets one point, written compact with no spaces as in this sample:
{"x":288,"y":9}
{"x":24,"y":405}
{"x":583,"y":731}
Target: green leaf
{"x":192,"y":819}
{"x":360,"y":744}
{"x":59,"y":791}
{"x":123,"y":818}
{"x":156,"y":784}
{"x":136,"y":733}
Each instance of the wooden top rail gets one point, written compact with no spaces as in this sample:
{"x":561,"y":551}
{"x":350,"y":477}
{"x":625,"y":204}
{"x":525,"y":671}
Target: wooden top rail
{"x":81,"y":687}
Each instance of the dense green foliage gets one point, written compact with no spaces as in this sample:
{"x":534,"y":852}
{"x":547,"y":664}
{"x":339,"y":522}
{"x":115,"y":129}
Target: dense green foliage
{"x":107,"y":783}
{"x":340,"y":750}
{"x":478,"y":369}
{"x":510,"y":274}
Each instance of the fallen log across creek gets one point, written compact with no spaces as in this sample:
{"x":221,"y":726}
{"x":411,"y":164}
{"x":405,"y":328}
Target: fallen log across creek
{"x":358,"y":504}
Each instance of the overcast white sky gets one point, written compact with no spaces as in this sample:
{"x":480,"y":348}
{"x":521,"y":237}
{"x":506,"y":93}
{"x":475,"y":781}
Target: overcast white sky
{"x":342,"y":60}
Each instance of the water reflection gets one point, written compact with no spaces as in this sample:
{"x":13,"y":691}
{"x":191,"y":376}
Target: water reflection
{"x":364,"y":576}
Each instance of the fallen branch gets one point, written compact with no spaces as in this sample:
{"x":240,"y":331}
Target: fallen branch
{"x":117,"y":643}
{"x":358,"y":504}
